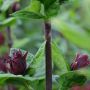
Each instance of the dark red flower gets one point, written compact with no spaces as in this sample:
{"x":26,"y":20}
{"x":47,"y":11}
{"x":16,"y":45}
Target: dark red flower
{"x":80,"y":61}
{"x":2,"y":39}
{"x":17,"y":64}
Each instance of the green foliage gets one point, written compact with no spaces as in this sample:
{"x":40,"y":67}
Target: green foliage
{"x":7,"y":22}
{"x":31,"y":11}
{"x":61,"y":64}
{"x":69,"y":79}
{"x":34,"y":10}
{"x":16,"y":79}
{"x":52,"y":10}
{"x":38,"y":63}
{"x":9,"y":77}
{"x":47,"y":3}
{"x":27,"y":14}
{"x":35,"y":6}
{"x":73,"y":33}
{"x":85,"y":72}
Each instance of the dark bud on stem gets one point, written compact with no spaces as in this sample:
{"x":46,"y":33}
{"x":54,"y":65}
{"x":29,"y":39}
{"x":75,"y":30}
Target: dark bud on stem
{"x":15,"y":7}
{"x":80,"y":61}
{"x":2,"y":39}
{"x":17,"y":64}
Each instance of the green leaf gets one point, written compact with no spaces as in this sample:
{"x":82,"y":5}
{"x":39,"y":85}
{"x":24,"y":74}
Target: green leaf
{"x":47,"y":3}
{"x":52,"y":10}
{"x":27,"y":14}
{"x":73,"y":33}
{"x":7,"y":22}
{"x":71,"y":78}
{"x":10,"y":77}
{"x":7,"y":4}
{"x":39,"y":62}
{"x":51,"y":7}
{"x":85,"y":71}
{"x":17,"y":80}
{"x":31,"y":11}
{"x":35,"y":6}
{"x":0,"y":3}
{"x":29,"y":58}
{"x":59,"y":61}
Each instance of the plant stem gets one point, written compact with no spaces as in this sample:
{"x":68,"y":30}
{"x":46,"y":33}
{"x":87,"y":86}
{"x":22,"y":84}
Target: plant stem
{"x":48,"y":56}
{"x":8,"y":31}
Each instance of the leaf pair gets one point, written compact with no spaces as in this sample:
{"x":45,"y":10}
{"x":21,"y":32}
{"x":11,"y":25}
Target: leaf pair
{"x":39,"y":9}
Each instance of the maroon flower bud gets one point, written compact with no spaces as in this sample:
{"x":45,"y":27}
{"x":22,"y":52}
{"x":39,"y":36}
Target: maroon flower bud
{"x":81,"y":60}
{"x":15,"y":7}
{"x":17,"y":64}
{"x":3,"y":65}
{"x":2,"y":39}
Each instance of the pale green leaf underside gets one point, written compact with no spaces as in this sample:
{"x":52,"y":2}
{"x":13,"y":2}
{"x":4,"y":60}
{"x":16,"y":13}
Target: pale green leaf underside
{"x":73,"y":33}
